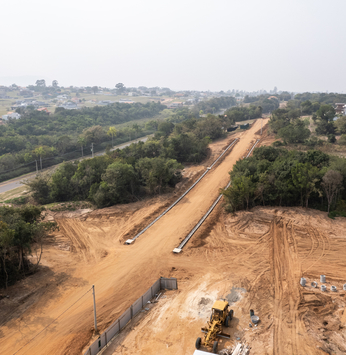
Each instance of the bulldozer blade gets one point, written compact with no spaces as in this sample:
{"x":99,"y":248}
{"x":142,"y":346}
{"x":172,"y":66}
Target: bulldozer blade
{"x":221,"y":335}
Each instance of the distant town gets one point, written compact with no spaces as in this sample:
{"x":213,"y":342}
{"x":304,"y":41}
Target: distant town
{"x":45,"y":97}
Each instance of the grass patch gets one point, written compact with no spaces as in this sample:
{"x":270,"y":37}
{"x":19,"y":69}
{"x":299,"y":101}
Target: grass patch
{"x":22,"y":200}
{"x":340,"y":210}
{"x":5,"y":106}
{"x":14,"y":193}
{"x":68,"y":206}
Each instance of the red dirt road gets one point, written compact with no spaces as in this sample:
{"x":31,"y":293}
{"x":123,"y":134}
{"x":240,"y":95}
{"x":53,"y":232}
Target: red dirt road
{"x":120,"y":273}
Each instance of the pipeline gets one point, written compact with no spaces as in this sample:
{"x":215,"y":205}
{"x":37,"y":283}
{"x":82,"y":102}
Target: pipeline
{"x":130,"y":241}
{"x":195,"y":228}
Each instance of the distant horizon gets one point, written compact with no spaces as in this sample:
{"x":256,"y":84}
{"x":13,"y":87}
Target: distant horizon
{"x":27,"y":80}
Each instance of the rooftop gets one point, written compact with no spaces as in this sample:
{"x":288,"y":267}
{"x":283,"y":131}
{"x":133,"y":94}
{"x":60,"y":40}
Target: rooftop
{"x":220,"y":305}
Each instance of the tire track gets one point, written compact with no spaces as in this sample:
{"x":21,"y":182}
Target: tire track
{"x":289,"y":332}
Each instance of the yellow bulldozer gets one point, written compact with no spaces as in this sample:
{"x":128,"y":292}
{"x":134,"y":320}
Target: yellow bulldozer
{"x":221,"y":315}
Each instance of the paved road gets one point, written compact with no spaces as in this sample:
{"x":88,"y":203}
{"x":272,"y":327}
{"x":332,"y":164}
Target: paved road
{"x":16,"y":182}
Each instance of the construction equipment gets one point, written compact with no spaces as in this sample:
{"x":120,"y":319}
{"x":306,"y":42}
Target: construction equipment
{"x":220,"y":316}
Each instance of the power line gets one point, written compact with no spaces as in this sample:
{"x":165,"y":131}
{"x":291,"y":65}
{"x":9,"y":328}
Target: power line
{"x":52,"y":321}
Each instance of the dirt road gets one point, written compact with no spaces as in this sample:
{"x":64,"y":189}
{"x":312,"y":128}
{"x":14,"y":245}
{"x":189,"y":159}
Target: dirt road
{"x":254,"y":259}
{"x":120,"y":273}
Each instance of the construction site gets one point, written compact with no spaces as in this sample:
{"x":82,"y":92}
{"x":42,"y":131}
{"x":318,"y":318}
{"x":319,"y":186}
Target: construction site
{"x":253,"y":261}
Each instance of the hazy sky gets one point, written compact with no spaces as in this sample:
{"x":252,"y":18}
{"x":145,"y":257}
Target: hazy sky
{"x":296,"y":45}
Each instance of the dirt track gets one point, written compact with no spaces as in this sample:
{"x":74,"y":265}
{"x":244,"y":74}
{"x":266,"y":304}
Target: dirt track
{"x":264,"y":252}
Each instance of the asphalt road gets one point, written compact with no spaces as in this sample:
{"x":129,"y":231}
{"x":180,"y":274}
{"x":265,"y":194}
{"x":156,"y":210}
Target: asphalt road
{"x":16,"y":182}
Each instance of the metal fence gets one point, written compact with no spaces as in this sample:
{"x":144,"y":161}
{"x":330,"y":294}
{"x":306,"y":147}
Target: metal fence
{"x":161,"y":284}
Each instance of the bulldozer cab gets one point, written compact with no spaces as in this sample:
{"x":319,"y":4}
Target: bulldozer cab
{"x":216,"y":314}
{"x":220,"y":310}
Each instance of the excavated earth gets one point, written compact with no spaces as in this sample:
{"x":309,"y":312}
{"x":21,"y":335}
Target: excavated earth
{"x":254,"y":259}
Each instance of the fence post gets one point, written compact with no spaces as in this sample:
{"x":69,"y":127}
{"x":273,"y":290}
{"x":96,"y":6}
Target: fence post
{"x":95,"y":321}
{"x":106,"y":338}
{"x":131,"y":309}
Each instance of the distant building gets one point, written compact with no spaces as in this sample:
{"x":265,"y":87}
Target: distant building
{"x":69,"y":106}
{"x":105,"y":102}
{"x":340,"y":109}
{"x":126,"y":101}
{"x":44,"y":109}
{"x":14,"y":115}
{"x":175,"y":104}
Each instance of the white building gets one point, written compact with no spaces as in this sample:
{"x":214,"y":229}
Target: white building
{"x":14,"y":115}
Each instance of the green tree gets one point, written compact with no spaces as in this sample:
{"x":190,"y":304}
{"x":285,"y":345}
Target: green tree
{"x":136,"y":128}
{"x":39,"y":188}
{"x":112,"y":132}
{"x":151,"y":125}
{"x":240,"y":192}
{"x":342,"y":139}
{"x":331,"y":138}
{"x":305,"y":177}
{"x":81,"y":141}
{"x":89,"y":173}
{"x":41,"y":83}
{"x":157,"y":173}
{"x":61,"y":187}
{"x":166,"y":127}
{"x":294,"y":133}
{"x":326,"y":113}
{"x":63,"y":143}
{"x":94,"y":134}
{"x":341,"y":125}
{"x":120,"y":88}
{"x":95,"y":89}
{"x":40,"y":152}
{"x":55,"y":83}
{"x":120,"y":179}
{"x":6,"y":240}
{"x":332,"y":184}
{"x":324,"y":128}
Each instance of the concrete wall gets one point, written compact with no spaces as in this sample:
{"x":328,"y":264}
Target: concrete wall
{"x":161,"y":284}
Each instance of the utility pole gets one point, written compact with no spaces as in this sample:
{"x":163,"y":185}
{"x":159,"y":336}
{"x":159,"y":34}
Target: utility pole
{"x":92,"y":150}
{"x":95,"y":322}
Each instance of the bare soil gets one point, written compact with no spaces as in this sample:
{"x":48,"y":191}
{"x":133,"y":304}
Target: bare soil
{"x":254,"y":259}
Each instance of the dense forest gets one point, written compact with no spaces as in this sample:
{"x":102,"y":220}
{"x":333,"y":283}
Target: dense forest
{"x":22,"y":232}
{"x":278,"y":177}
{"x":53,"y":138}
{"x":140,"y":169}
{"x":214,"y":105}
{"x":287,"y":124}
{"x":243,"y":113}
{"x":323,"y":98}
{"x":268,"y":103}
{"x":38,"y":139}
